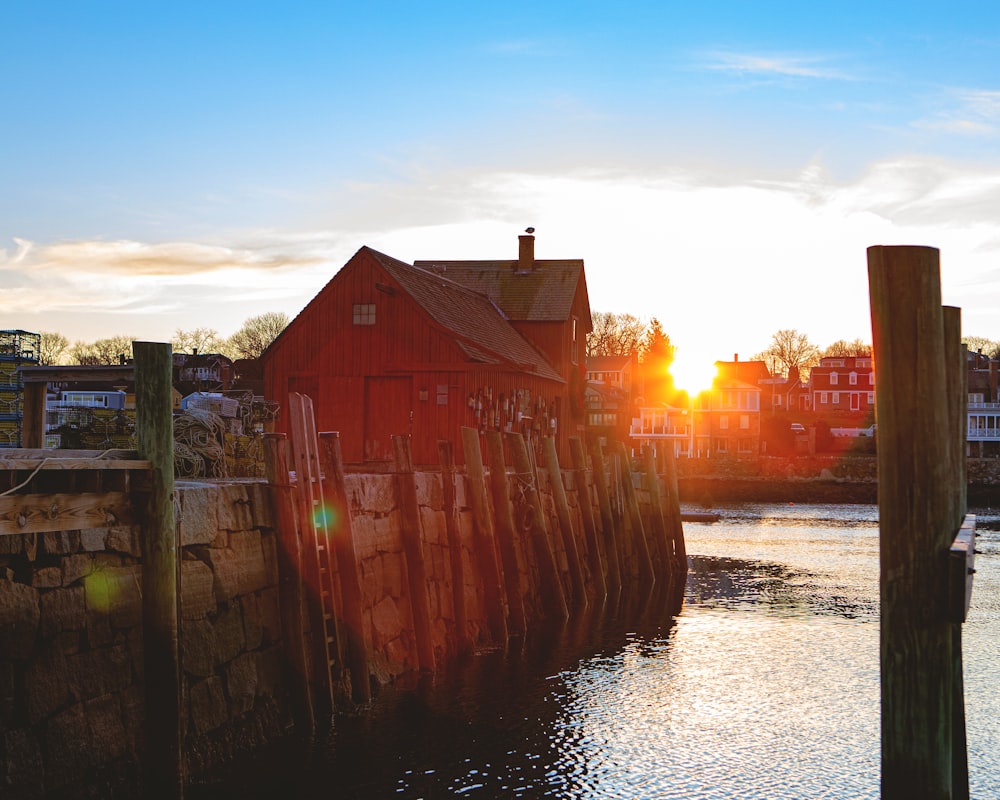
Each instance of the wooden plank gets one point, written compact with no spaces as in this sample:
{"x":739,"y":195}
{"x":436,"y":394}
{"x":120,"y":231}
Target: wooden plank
{"x":38,"y":513}
{"x":961,"y":568}
{"x":75,"y":372}
{"x":164,"y":757}
{"x":55,"y":463}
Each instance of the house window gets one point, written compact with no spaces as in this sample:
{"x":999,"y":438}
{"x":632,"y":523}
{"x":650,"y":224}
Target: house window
{"x":833,"y":378}
{"x":855,"y":401}
{"x":364,"y":313}
{"x":824,"y":398}
{"x":724,"y":423}
{"x":744,"y":422}
{"x":977,"y":397}
{"x":853,"y":379}
{"x":871,"y":398}
{"x":836,"y":398}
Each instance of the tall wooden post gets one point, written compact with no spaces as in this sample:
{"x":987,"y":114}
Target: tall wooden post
{"x":956,"y":388}
{"x":446,"y":454}
{"x":662,"y":544}
{"x":595,"y":552}
{"x":290,"y":592}
{"x":646,"y":572}
{"x":565,"y":522}
{"x":341,"y":539}
{"x":553,"y":593}
{"x":33,"y":421}
{"x":506,"y":533}
{"x":164,"y":767}
{"x":614,"y":578}
{"x":416,"y":569}
{"x":486,"y":550}
{"x":916,"y":522}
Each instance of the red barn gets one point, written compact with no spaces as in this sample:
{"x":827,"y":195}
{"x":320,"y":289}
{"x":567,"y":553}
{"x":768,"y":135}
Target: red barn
{"x":425,"y":349}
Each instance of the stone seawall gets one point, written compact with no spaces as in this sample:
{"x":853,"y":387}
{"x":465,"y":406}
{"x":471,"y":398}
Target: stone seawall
{"x":71,"y":657}
{"x":817,"y":479}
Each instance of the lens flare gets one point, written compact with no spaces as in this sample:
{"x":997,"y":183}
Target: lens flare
{"x":326,"y":517}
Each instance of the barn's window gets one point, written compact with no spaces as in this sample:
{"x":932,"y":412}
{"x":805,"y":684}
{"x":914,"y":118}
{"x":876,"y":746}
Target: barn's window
{"x":364,"y":313}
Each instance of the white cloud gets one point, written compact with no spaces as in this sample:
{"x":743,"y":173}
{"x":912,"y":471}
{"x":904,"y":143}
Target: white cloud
{"x":722,"y":265}
{"x":787,"y":65}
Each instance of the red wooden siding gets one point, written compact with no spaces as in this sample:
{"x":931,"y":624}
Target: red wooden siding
{"x":366,"y":380}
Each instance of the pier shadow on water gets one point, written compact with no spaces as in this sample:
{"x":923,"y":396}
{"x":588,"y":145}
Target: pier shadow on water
{"x":482,"y":727}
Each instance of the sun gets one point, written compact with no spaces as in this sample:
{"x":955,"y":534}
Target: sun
{"x":692,"y":375}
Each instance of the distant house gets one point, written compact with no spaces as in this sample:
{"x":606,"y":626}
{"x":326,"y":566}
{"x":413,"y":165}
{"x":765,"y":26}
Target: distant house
{"x":843,"y":386}
{"x":721,"y":421}
{"x":732,"y":412}
{"x":424,"y":349}
{"x":204,"y":372}
{"x":609,"y":395}
{"x":983,"y":433}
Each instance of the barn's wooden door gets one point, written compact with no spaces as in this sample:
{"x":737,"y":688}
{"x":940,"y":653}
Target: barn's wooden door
{"x":388,"y":403}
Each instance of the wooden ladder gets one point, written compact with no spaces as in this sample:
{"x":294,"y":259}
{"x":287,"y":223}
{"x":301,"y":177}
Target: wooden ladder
{"x":317,"y":554}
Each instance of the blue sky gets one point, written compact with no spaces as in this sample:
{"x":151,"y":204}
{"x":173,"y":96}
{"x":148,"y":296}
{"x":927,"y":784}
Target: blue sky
{"x":720,"y":166}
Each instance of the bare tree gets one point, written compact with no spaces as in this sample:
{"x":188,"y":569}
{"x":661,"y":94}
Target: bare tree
{"x":51,"y":348}
{"x":790,"y":349}
{"x":257,"y":333}
{"x":112,"y":350}
{"x":615,"y":334}
{"x":841,"y":348}
{"x":204,"y":340}
{"x":989,"y":347}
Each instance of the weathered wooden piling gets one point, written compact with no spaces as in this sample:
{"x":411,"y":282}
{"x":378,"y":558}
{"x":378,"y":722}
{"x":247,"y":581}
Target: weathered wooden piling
{"x":416,"y":570}
{"x":341,"y":537}
{"x":507,"y":533}
{"x":662,"y":547}
{"x":290,"y":594}
{"x":956,"y":390}
{"x":446,"y":454}
{"x":595,"y":552}
{"x":614,"y":573}
{"x":482,"y":526}
{"x":164,"y":764}
{"x":917,"y":522}
{"x":640,"y":544}
{"x":553,"y":593}
{"x":565,"y":523}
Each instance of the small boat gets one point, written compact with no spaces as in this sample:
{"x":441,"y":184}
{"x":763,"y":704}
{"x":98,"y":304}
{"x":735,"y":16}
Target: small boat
{"x":699,"y":516}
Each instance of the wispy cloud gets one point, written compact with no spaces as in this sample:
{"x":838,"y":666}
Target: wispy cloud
{"x":784,"y":65}
{"x":968,"y":112}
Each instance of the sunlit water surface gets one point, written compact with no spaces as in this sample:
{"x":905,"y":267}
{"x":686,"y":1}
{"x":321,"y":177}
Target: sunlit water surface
{"x":765,"y":686}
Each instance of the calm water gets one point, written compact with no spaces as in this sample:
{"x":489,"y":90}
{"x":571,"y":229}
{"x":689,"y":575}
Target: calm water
{"x":765,"y":686}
